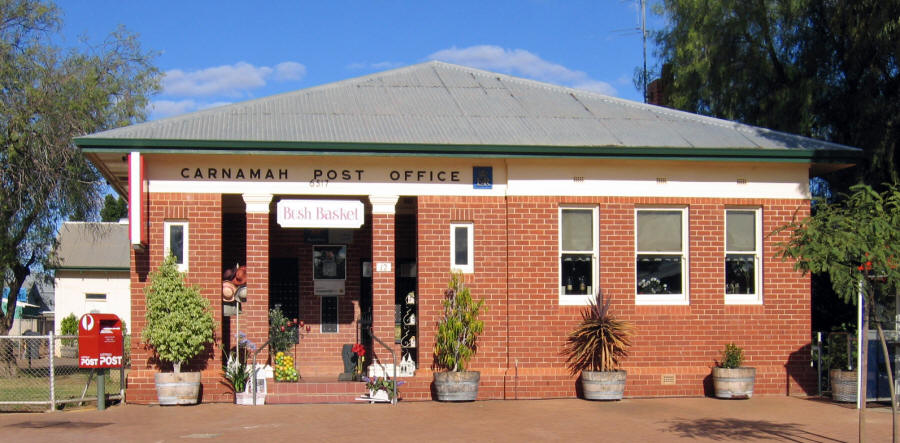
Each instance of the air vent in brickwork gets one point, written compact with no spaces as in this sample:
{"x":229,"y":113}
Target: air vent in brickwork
{"x":742,"y":181}
{"x":578,"y":179}
{"x":661,"y":180}
{"x":668,"y":379}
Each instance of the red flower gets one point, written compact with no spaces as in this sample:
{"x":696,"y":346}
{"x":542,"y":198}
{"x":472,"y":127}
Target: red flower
{"x":301,"y":323}
{"x":307,"y":328}
{"x":359,"y":349}
{"x":868,"y":265}
{"x":860,"y":267}
{"x":282,"y":329}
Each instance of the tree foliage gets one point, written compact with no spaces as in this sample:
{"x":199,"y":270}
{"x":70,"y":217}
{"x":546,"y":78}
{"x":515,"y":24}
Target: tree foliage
{"x":855,"y":240}
{"x":179,"y":321}
{"x":114,"y":209}
{"x":48,"y":95}
{"x":827,"y":69}
{"x":458,"y":330}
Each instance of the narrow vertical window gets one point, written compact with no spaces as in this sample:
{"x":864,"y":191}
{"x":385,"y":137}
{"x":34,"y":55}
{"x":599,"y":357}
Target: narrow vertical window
{"x":661,"y":256}
{"x":578,"y":251}
{"x":176,"y":242}
{"x":329,"y":315}
{"x":462,"y":247}
{"x":743,"y":250}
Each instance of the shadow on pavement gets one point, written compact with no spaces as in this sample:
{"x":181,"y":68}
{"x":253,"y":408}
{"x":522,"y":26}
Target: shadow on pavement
{"x":737,"y":430}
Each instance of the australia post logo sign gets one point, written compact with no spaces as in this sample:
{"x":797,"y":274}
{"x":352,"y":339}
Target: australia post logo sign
{"x":99,"y":341}
{"x":320,"y":213}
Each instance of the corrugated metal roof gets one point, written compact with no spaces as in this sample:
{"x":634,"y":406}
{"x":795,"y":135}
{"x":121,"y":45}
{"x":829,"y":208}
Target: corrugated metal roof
{"x":436,"y":103}
{"x":93,"y":245}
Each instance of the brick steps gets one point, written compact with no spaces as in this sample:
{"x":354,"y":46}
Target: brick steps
{"x":314,"y":391}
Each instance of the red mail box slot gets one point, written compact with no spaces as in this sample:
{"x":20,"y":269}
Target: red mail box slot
{"x":99,"y":341}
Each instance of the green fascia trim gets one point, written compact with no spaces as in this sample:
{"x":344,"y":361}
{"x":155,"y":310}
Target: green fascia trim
{"x":147,"y":146}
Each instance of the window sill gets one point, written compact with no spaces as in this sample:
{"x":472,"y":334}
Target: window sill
{"x":743,"y":299}
{"x":576,"y":300}
{"x":662,"y":299}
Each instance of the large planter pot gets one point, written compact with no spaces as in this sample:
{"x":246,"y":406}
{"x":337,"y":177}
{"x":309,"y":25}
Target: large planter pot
{"x":843,"y":385}
{"x":177,"y":389}
{"x":456,"y":386}
{"x":603,"y":385}
{"x":734,"y":382}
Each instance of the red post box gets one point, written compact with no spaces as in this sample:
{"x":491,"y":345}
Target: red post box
{"x":99,"y":341}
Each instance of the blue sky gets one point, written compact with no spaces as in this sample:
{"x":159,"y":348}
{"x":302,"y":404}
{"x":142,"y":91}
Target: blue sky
{"x":218,"y":52}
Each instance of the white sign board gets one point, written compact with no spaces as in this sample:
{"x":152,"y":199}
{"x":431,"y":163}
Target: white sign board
{"x":320,"y":213}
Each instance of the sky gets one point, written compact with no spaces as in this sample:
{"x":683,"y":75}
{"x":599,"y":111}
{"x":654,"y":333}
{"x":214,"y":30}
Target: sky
{"x":219,"y":52}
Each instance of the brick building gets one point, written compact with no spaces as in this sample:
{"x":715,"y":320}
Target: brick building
{"x":343,"y":199}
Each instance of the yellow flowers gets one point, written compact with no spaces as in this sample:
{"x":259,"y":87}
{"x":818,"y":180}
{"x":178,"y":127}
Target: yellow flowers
{"x":284,"y":368}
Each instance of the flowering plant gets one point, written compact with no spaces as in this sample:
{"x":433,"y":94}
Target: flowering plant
{"x":284,"y":332}
{"x":360,"y":352}
{"x":382,"y":383}
{"x":236,"y":372}
{"x":652,"y":286}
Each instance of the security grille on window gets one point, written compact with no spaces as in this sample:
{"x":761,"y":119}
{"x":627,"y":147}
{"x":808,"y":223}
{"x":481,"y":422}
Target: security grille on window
{"x":176,"y":242}
{"x":743,"y":249}
{"x":578,"y":251}
{"x":462,"y":256}
{"x":661,"y":256}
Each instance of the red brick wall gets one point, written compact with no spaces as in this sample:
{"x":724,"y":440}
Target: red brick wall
{"x":203,"y":213}
{"x":525,"y":331}
{"x":516,"y":261}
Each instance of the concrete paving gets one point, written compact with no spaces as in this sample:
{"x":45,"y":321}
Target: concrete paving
{"x":629,"y":420}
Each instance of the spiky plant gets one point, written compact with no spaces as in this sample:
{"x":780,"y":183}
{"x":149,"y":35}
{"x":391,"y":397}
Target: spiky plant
{"x":600,"y":342}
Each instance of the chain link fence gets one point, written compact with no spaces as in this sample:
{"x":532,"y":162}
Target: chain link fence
{"x":40,"y":373}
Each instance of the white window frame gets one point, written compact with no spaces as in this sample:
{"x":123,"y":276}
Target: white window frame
{"x":167,"y":227}
{"x":666,"y":299}
{"x":746,"y":299}
{"x":579,"y":299}
{"x":470,"y":227}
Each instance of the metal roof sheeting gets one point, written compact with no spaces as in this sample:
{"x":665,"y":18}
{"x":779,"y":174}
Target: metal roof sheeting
{"x":93,"y":245}
{"x":436,"y":103}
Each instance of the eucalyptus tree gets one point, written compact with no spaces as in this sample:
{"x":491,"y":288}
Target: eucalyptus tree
{"x":48,"y":95}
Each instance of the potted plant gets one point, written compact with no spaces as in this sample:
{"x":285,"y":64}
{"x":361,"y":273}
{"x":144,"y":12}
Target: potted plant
{"x":595,"y":348}
{"x":179,"y":327}
{"x":730,"y":379}
{"x":839,"y":358}
{"x":455,"y":343}
{"x":283,"y":335}
{"x":69,"y":326}
{"x":381,"y":388}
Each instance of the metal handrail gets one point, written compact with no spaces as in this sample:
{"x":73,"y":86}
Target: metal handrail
{"x":255,"y":369}
{"x":393,"y":360}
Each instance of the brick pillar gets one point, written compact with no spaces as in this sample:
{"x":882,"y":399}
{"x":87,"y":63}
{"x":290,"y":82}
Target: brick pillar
{"x":383,"y":288}
{"x":254,"y":320}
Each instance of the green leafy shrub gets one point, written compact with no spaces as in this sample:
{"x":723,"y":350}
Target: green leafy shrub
{"x":69,"y":326}
{"x":599,"y":342}
{"x":283,"y":332}
{"x":459,"y":328}
{"x":179,"y":322}
{"x":732,"y":356}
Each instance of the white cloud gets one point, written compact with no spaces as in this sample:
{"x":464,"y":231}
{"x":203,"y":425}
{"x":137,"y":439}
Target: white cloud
{"x":169,"y":108}
{"x":227,"y":80}
{"x":289,"y":71}
{"x":523,"y":63}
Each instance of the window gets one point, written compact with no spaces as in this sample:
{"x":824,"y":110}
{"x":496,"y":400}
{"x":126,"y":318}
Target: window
{"x":661,"y":256}
{"x":578,"y":251}
{"x":176,"y":242}
{"x":95,"y":297}
{"x":462,"y":255}
{"x":743,"y":249}
{"x":329,"y":315}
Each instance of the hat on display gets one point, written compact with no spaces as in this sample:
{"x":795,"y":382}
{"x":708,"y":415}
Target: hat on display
{"x":241,"y":294}
{"x":228,"y":290}
{"x":240,"y":276}
{"x":228,"y":274}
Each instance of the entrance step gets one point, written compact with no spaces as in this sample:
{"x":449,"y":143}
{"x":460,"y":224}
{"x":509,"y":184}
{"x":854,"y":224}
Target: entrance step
{"x":314,"y":390}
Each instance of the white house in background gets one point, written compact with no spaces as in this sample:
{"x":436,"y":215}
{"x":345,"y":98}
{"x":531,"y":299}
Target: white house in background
{"x":92,"y":270}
